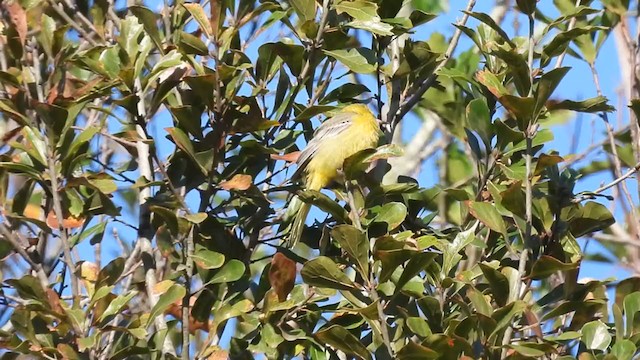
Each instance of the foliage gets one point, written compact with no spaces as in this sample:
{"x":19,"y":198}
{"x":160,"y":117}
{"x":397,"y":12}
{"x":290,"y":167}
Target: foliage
{"x":176,"y":129}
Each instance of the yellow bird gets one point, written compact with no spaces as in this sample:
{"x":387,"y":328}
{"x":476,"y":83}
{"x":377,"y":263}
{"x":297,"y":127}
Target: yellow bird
{"x":352,"y":130}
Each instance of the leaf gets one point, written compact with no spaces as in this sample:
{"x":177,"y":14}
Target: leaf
{"x":323,"y":272}
{"x":196,"y":218}
{"x":561,"y":41}
{"x":373,"y":26}
{"x":196,"y":10}
{"x":498,"y":282}
{"x":18,"y":17}
{"x":175,"y":293}
{"x":355,"y":243}
{"x":344,"y":93}
{"x":488,"y":215}
{"x":341,"y":339}
{"x":479,"y":119}
{"x":547,"y":84}
{"x":592,"y":105}
{"x":237,"y":182}
{"x":70,"y":222}
{"x":116,"y":305}
{"x":358,"y":9}
{"x":623,"y":349}
{"x":488,"y":20}
{"x":358,"y":60}
{"x":546,"y":265}
{"x":325,"y":204}
{"x":183,"y":142}
{"x":631,"y":308}
{"x":591,"y":217}
{"x":207,"y":259}
{"x":595,"y":335}
{"x":528,"y":7}
{"x":305,"y":9}
{"x":392,"y":214}
{"x":416,"y":264}
{"x":414,"y":351}
{"x":282,"y":275}
{"x":230,"y":272}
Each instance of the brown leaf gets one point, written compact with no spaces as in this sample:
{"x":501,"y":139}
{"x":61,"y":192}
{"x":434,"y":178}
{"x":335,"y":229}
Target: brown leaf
{"x":176,"y":311}
{"x":217,"y":353}
{"x":289,"y":157}
{"x":54,"y":301}
{"x":237,"y":182}
{"x":69,"y":222}
{"x":282,"y":275}
{"x":18,"y":18}
{"x":215,"y":16}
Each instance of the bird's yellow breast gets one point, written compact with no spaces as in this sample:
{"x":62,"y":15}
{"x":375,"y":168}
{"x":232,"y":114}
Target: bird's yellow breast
{"x":360,"y":135}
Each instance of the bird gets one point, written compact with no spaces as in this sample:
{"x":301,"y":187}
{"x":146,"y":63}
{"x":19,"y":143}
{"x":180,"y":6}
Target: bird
{"x":353,"y":129}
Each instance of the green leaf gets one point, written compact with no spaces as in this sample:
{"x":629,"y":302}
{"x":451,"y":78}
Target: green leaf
{"x":231,"y":271}
{"x":392,"y":214}
{"x":631,"y":308}
{"x":341,"y":339}
{"x":488,"y":215}
{"x":479,"y":119}
{"x":488,"y":20}
{"x":546,"y":265}
{"x":149,"y":20}
{"x":623,"y":349}
{"x":451,"y":251}
{"x":591,"y":217}
{"x":373,"y":26}
{"x":561,"y":41}
{"x":196,"y":218}
{"x":358,"y":9}
{"x":116,"y":305}
{"x":175,"y":293}
{"x":196,"y":10}
{"x":498,"y":282}
{"x":595,"y":335}
{"x":191,"y":44}
{"x":356,"y":245}
{"x":325,"y":204}
{"x":528,"y":7}
{"x":505,"y":316}
{"x":344,"y":93}
{"x":359,"y":60}
{"x":207,"y":259}
{"x":416,"y":264}
{"x":305,"y":9}
{"x":546,"y":86}
{"x":414,"y":351}
{"x":323,"y":272}
{"x":183,"y":142}
{"x":592,"y":105}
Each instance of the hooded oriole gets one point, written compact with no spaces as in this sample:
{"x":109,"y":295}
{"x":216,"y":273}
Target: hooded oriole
{"x":351,"y":130}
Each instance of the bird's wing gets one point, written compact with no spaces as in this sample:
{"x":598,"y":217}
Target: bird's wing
{"x":327,"y":130}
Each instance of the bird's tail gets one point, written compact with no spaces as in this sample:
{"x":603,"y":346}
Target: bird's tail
{"x":298,"y":225}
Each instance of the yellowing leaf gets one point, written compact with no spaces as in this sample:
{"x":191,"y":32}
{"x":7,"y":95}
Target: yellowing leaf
{"x":237,"y":182}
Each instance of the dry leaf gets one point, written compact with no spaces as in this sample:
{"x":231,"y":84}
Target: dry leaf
{"x":70,"y":222}
{"x":237,"y":182}
{"x":282,"y":275}
{"x":290,"y":157}
{"x":176,"y":311}
{"x":18,"y":18}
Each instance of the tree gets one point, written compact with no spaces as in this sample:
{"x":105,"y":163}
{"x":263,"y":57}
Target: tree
{"x":162,"y":141}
